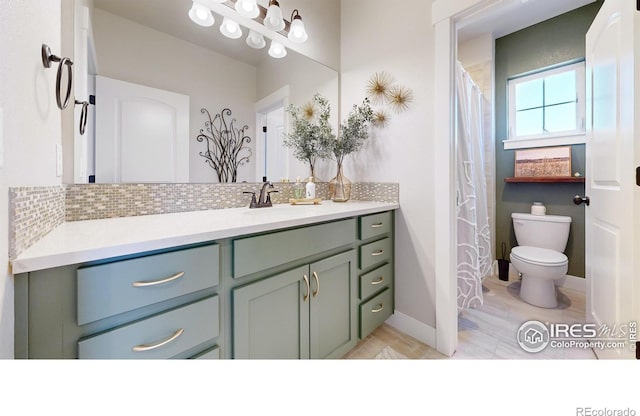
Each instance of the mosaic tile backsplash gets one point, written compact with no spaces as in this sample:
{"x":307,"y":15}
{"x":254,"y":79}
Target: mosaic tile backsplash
{"x":37,"y":210}
{"x":33,"y":213}
{"x":97,"y":201}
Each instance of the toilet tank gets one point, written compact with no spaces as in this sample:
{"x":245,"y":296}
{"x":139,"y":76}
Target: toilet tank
{"x":544,"y":231}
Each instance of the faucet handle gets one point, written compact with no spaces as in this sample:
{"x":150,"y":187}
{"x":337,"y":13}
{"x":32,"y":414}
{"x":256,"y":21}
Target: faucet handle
{"x":268,"y":201}
{"x":253,"y":203}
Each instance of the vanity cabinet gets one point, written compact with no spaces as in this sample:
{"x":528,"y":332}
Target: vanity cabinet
{"x":308,"y":291}
{"x":307,"y":312}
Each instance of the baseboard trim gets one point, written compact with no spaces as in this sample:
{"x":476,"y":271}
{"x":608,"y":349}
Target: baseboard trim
{"x":411,"y":326}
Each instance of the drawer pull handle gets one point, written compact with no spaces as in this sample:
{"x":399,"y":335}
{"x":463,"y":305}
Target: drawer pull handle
{"x":379,"y":281}
{"x":377,"y":225}
{"x":378,"y":309}
{"x":158,"y":282}
{"x":306,"y":281}
{"x":315,"y":276}
{"x":378,"y":253}
{"x":143,"y":348}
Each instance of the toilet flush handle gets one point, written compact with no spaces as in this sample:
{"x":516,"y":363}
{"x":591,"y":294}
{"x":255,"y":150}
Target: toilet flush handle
{"x":581,"y":199}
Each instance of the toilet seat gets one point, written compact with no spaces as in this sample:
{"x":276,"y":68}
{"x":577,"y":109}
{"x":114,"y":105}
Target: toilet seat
{"x":539,"y":256}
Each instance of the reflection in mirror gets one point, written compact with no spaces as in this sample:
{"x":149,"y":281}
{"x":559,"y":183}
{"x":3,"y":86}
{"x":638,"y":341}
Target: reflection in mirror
{"x":152,"y":70}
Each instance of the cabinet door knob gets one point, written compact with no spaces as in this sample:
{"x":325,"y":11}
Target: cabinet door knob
{"x":306,"y":281}
{"x":143,"y":348}
{"x":315,"y":276}
{"x":158,"y":282}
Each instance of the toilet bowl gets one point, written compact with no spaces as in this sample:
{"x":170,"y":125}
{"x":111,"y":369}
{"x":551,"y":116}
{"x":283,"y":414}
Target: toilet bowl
{"x":539,"y":256}
{"x":540,"y":268}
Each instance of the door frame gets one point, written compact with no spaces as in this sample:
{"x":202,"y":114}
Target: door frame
{"x":446,"y":16}
{"x":262,"y":106}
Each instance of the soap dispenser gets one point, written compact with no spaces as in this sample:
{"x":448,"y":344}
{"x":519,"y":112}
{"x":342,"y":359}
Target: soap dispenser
{"x":299,"y":189}
{"x":311,"y":189}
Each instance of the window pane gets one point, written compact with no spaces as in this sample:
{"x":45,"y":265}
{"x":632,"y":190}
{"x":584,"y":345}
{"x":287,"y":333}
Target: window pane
{"x":529,"y":95}
{"x":529,"y":122}
{"x":560,"y":88}
{"x":560,"y":118}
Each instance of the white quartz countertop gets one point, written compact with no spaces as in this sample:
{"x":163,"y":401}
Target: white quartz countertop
{"x":82,"y":241}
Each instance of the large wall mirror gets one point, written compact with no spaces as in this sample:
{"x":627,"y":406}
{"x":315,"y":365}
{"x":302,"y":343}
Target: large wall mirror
{"x":152,"y":70}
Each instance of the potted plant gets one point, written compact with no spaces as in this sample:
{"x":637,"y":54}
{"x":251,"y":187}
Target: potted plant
{"x":311,"y":132}
{"x":352,"y":135}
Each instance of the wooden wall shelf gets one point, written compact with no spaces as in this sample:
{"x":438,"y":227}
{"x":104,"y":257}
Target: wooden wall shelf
{"x":545,"y":179}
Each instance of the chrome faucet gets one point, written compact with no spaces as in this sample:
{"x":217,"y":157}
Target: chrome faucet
{"x":262,"y":202}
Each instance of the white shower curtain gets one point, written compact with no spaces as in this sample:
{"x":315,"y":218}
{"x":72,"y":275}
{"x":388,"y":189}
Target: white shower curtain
{"x":474,"y":233}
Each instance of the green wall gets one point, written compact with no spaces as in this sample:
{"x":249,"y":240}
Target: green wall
{"x":551,"y":42}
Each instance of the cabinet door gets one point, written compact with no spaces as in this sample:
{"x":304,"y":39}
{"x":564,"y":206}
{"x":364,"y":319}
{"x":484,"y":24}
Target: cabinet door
{"x":333,"y":302}
{"x":271,"y":317}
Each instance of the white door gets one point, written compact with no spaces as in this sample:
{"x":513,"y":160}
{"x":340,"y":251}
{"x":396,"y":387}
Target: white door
{"x":275,"y":151}
{"x":613,"y":216}
{"x":142,"y":133}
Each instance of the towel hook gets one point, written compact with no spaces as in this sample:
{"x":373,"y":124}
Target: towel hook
{"x":47,"y":59}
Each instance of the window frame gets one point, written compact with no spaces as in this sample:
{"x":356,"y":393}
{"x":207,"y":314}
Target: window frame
{"x":575,"y":136}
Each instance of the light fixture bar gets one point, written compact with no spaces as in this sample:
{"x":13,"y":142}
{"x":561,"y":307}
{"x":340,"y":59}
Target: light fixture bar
{"x":260,"y":18}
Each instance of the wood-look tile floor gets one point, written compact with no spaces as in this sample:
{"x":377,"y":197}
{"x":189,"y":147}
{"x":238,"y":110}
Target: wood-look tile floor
{"x":488,"y":332}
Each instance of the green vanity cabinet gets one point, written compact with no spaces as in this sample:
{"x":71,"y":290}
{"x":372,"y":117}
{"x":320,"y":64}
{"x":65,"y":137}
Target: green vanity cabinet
{"x":308,"y":291}
{"x":306,"y":312}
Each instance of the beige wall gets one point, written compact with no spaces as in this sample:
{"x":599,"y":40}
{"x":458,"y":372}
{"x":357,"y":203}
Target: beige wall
{"x":377,"y":37}
{"x":322,"y":22}
{"x":134,"y":53}
{"x":31,"y":121}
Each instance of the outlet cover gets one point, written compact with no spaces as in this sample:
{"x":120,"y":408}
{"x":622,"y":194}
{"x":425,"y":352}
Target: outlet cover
{"x":58,"y":159}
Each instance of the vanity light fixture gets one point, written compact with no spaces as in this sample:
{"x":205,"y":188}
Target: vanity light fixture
{"x":267,"y":22}
{"x":297,"y":33}
{"x":248,"y":8}
{"x":277,"y":50}
{"x":201,"y":15}
{"x":230,"y":28}
{"x":256,"y":40}
{"x":274,"y":20}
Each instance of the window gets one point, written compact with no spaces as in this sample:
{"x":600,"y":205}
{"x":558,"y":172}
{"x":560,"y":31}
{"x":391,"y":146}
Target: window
{"x":547,"y":107}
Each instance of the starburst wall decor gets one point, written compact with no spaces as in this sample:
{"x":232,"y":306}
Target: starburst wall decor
{"x":384,"y":93}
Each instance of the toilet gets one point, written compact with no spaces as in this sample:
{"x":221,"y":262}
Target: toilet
{"x":539,"y":256}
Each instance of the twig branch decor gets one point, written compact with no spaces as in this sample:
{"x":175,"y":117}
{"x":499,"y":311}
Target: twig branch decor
{"x":226,"y":150}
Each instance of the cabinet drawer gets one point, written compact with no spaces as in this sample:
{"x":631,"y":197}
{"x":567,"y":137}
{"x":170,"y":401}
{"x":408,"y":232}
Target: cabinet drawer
{"x":375,"y":225}
{"x":113,"y":288}
{"x":375,"y":253}
{"x":374,"y":312}
{"x":253,"y":254}
{"x":375,"y":281}
{"x":161,"y":336}
{"x":210,"y":354}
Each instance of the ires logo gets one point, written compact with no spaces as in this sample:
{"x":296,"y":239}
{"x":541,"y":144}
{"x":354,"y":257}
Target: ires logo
{"x":535,"y":336}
